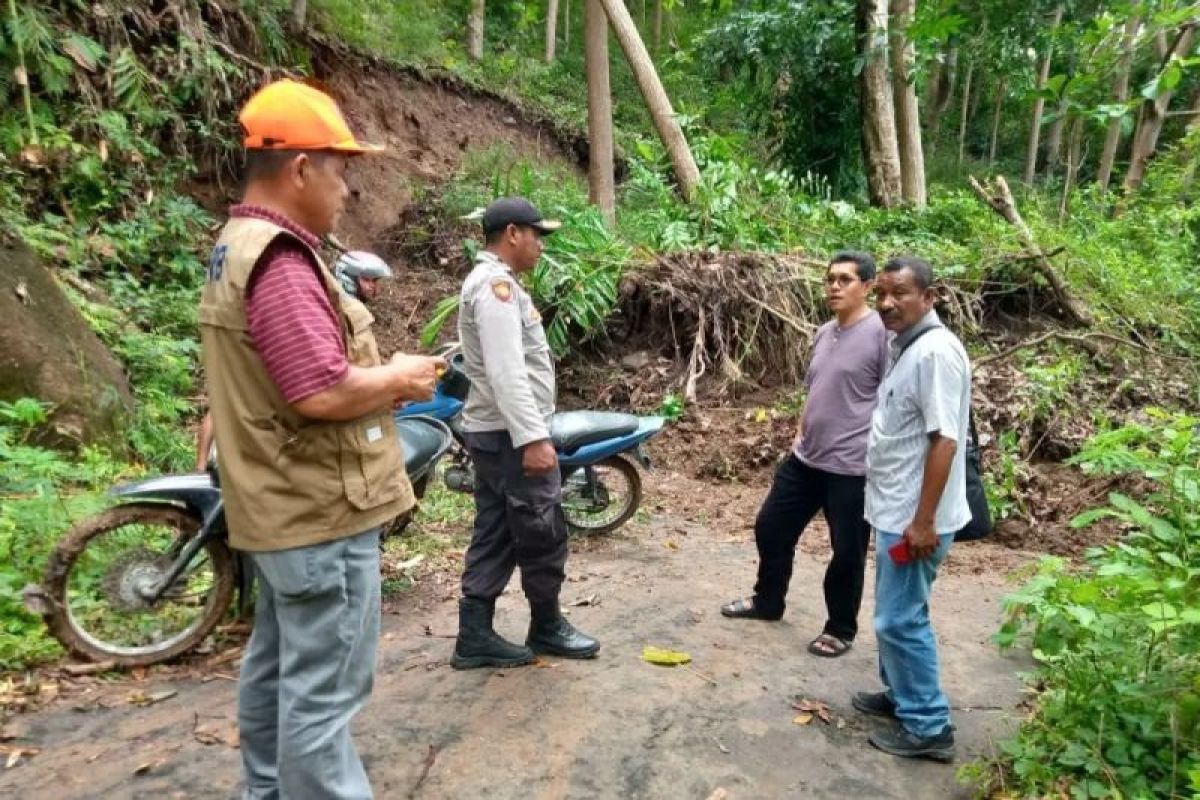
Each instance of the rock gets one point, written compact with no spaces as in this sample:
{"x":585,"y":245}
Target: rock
{"x":636,"y":361}
{"x":51,"y":353}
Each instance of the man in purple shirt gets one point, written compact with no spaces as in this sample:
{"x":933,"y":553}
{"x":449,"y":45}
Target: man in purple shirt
{"x":825,"y":470}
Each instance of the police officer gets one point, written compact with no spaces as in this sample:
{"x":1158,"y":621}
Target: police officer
{"x":518,"y":488}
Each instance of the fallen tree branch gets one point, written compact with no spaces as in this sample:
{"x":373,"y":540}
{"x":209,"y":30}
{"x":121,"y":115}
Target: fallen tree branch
{"x":1000,"y":200}
{"x":1076,"y":338}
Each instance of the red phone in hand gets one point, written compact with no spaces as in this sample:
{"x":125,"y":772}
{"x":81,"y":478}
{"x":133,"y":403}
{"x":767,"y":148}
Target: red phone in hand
{"x":899,"y":552}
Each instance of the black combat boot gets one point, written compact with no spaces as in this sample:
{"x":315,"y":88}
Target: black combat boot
{"x":478,"y":645}
{"x":551,"y":634}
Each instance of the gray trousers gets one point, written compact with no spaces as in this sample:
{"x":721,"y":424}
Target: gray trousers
{"x":308,"y":669}
{"x":518,"y":522}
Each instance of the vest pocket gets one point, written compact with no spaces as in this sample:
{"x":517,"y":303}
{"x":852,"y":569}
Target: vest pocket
{"x":372,"y":465}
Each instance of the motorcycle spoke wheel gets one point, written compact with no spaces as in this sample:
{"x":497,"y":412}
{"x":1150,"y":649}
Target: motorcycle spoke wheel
{"x":101,"y":573}
{"x":602,"y":497}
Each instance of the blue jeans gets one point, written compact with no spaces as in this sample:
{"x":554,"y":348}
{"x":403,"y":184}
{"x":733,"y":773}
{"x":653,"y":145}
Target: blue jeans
{"x":908,"y":660}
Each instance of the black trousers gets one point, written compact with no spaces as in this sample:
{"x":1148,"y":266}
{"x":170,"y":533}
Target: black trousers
{"x":518,"y":522}
{"x":797,"y":494}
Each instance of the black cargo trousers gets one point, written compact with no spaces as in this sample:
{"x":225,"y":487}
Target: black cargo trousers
{"x":518,"y":522}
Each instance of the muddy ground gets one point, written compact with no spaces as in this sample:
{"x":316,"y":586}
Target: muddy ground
{"x":613,"y":727}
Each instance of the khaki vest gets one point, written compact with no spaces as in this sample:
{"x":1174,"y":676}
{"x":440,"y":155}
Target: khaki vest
{"x":289,"y":481}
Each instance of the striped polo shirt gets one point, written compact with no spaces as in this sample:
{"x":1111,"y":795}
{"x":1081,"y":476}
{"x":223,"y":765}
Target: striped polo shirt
{"x":291,"y":321}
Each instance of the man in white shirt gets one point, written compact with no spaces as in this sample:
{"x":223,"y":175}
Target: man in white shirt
{"x":916,"y":500}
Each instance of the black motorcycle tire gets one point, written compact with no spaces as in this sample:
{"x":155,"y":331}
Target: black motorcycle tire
{"x":72,"y":545}
{"x":634,"y":478}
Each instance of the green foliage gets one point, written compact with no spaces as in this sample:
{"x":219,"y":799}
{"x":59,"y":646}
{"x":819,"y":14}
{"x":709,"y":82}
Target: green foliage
{"x":791,"y":81}
{"x":671,"y":407}
{"x":1003,"y":485}
{"x":575,"y":282}
{"x":408,"y":31}
{"x":1118,"y":641}
{"x":41,"y":493}
{"x":737,"y":206}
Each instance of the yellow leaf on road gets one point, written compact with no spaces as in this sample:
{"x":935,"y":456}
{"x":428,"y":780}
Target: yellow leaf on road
{"x":665,"y":658}
{"x":803,"y":719}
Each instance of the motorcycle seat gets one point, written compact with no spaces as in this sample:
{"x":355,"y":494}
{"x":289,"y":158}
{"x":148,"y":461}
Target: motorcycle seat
{"x":421,"y":440}
{"x":571,"y":430}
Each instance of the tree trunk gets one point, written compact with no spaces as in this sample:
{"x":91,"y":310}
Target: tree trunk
{"x":881,"y":155}
{"x":658,"y":25}
{"x":601,"y":189}
{"x":566,"y":24}
{"x":999,"y":198}
{"x":1054,"y":139}
{"x":299,"y":15}
{"x":1074,"y":147}
{"x":1039,"y":105}
{"x":551,"y":33}
{"x":1112,"y":137}
{"x":904,"y":96}
{"x":1189,"y":172}
{"x":966,"y":111}
{"x":655,"y":96}
{"x":941,"y":90}
{"x":475,"y":30}
{"x":1154,"y":114}
{"x":1000,"y":89}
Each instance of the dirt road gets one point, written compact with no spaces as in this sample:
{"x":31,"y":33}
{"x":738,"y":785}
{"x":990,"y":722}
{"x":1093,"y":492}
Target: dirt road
{"x":609,"y":728}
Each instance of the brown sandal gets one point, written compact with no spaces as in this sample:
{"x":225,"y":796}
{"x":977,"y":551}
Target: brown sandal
{"x":829,"y":646}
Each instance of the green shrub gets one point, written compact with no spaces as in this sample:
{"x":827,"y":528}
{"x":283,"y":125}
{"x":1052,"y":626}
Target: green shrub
{"x":1117,"y":641}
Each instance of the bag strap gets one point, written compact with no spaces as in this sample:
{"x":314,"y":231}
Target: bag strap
{"x":972,"y":434}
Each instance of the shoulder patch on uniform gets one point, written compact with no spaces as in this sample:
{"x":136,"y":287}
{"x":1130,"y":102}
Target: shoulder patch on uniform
{"x":502,"y":290}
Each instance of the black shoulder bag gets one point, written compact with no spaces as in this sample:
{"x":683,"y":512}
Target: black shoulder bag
{"x":981,"y":516}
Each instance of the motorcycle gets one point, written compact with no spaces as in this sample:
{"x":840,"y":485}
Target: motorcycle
{"x":149,"y":579}
{"x":602,"y":487}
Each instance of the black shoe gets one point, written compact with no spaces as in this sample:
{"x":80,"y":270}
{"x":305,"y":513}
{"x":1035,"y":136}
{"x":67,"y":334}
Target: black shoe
{"x":551,"y":634}
{"x":877,"y":704}
{"x":745,"y":608}
{"x":899,"y":742}
{"x":478,"y":645}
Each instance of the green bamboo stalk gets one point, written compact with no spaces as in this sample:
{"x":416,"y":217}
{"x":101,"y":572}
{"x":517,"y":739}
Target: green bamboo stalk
{"x":12,"y":12}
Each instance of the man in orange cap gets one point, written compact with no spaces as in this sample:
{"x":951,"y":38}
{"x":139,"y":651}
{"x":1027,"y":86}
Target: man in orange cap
{"x":309,"y":462}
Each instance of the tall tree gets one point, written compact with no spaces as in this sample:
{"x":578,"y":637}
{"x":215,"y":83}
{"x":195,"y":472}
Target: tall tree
{"x":1054,"y":136}
{"x":1154,"y":111}
{"x":1112,"y":137}
{"x":941,"y":89}
{"x":475,"y":30}
{"x":551,"y":33}
{"x":904,"y":95}
{"x":601,"y":184}
{"x":566,"y":24}
{"x":299,"y":15}
{"x":965,"y":114}
{"x":1039,"y":104}
{"x":881,"y":155}
{"x":686,"y":172}
{"x":1189,"y":172}
{"x":1074,"y":148}
{"x":658,"y":26}
{"x":1001,"y":87}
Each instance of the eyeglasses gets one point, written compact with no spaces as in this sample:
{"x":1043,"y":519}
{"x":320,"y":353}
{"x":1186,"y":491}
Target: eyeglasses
{"x":840,"y":279}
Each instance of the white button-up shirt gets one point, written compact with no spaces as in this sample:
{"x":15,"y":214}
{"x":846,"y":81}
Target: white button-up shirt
{"x":927,"y":390}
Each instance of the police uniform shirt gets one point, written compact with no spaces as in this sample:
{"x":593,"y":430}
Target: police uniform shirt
{"x":505,"y":355}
